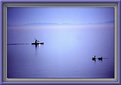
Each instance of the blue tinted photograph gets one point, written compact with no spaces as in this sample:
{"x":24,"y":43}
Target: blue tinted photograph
{"x":60,"y":42}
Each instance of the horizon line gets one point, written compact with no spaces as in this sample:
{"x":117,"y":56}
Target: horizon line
{"x":61,"y":23}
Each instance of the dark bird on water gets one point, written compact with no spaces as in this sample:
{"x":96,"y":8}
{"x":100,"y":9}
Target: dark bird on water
{"x":94,"y":58}
{"x":99,"y":58}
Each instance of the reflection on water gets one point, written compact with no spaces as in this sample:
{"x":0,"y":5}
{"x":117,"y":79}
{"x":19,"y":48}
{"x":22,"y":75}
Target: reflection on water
{"x":66,"y":53}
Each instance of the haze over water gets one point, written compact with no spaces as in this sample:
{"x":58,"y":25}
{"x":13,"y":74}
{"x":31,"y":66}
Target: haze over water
{"x":68,"y":47}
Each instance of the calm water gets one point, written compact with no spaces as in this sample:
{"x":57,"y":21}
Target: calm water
{"x":66,"y":53}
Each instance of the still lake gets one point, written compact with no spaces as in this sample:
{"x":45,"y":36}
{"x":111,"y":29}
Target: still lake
{"x":67,"y":51}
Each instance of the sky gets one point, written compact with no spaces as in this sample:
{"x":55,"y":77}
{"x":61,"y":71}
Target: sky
{"x":59,"y":15}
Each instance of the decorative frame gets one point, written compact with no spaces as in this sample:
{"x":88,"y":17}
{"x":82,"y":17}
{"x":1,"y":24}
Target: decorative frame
{"x":5,"y":80}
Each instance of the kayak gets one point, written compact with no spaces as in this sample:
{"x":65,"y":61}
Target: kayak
{"x":42,"y":43}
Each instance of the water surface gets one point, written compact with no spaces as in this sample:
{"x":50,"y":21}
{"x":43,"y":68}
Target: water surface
{"x":66,"y":53}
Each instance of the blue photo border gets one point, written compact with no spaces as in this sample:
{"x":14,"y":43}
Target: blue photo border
{"x":82,"y":83}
